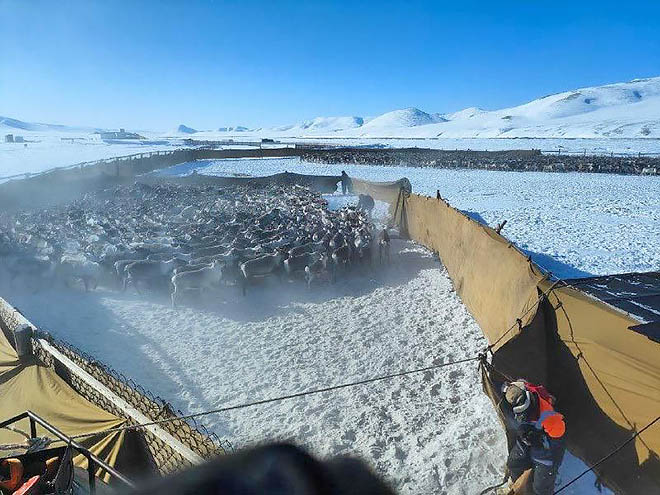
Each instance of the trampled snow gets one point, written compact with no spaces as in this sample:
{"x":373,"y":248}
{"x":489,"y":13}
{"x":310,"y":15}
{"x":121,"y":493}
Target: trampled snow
{"x":432,"y":432}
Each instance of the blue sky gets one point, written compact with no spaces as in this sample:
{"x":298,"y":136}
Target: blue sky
{"x":153,"y":65}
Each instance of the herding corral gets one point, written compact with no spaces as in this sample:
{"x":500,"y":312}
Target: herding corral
{"x":176,"y":238}
{"x":409,"y":210}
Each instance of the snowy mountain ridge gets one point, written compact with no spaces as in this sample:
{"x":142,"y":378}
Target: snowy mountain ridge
{"x":630,"y":110}
{"x":9,"y":124}
{"x":620,"y":110}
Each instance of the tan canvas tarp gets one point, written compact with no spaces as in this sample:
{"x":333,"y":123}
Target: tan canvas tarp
{"x":382,"y":191}
{"x":495,"y":281}
{"x":320,"y":183}
{"x":608,"y":378}
{"x":27,"y":385}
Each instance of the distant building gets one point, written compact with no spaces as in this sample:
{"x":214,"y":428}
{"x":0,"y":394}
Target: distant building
{"x":9,"y":138}
{"x":19,"y":139}
{"x":121,"y":134}
{"x":649,"y":171}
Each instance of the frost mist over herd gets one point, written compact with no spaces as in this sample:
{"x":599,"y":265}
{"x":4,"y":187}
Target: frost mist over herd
{"x":183,"y":239}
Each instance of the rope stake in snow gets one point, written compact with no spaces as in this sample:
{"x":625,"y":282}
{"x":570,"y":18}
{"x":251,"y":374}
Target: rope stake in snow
{"x":277,"y":399}
{"x":615,"y":451}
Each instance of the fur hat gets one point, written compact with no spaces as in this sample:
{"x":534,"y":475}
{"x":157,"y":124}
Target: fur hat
{"x":517,"y":395}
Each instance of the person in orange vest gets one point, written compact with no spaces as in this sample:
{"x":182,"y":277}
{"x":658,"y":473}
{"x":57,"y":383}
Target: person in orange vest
{"x":539,"y":434}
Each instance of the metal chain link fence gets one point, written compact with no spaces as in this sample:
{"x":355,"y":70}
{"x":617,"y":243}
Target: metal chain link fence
{"x":193,"y":435}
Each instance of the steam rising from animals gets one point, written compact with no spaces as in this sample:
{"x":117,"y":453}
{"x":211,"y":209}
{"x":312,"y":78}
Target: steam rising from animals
{"x":179,"y":238}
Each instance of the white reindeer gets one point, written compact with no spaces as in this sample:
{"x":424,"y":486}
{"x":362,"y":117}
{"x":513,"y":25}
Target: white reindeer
{"x":201,"y":279}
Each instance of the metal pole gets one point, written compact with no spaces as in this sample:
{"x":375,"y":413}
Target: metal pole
{"x":85,"y":452}
{"x":91,"y":477}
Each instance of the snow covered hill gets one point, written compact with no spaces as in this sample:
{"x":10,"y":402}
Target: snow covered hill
{"x":8,"y":124}
{"x":408,"y":117}
{"x":621,"y":110}
{"x":184,"y":129}
{"x":332,"y":123}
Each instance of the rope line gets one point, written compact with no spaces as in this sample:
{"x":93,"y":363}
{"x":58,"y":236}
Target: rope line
{"x":277,"y":399}
{"x":615,"y":451}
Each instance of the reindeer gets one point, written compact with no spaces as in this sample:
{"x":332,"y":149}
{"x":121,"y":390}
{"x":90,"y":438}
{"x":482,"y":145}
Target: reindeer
{"x":366,"y":203}
{"x":210,"y":251}
{"x":120,"y":268}
{"x":191,"y":268}
{"x":260,"y":267}
{"x":73,"y":268}
{"x":362,"y":245}
{"x":151,"y":272}
{"x":316,"y":269}
{"x":298,"y":263}
{"x":302,"y":249}
{"x":340,"y":256}
{"x":201,"y":279}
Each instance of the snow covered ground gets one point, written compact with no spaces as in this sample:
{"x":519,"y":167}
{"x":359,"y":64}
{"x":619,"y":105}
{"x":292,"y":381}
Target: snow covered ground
{"x":433,"y":432}
{"x":572,"y":224}
{"x":44,"y":150}
{"x":429,"y":433}
{"x":47,"y":149}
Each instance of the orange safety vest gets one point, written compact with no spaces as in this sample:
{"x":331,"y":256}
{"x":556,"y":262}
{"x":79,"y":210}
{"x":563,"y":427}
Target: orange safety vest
{"x":549,"y":420}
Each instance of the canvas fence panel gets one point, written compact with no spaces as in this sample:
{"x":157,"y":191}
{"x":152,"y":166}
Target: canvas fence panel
{"x":496,"y":282}
{"x":26,"y":384}
{"x":382,"y":191}
{"x":608,"y":378}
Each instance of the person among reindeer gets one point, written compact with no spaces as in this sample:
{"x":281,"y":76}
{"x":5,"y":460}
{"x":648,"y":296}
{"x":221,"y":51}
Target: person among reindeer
{"x":384,"y":246}
{"x":346,"y":184}
{"x":539,"y":430}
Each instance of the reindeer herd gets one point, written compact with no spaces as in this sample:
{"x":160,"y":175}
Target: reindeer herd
{"x":184,"y":239}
